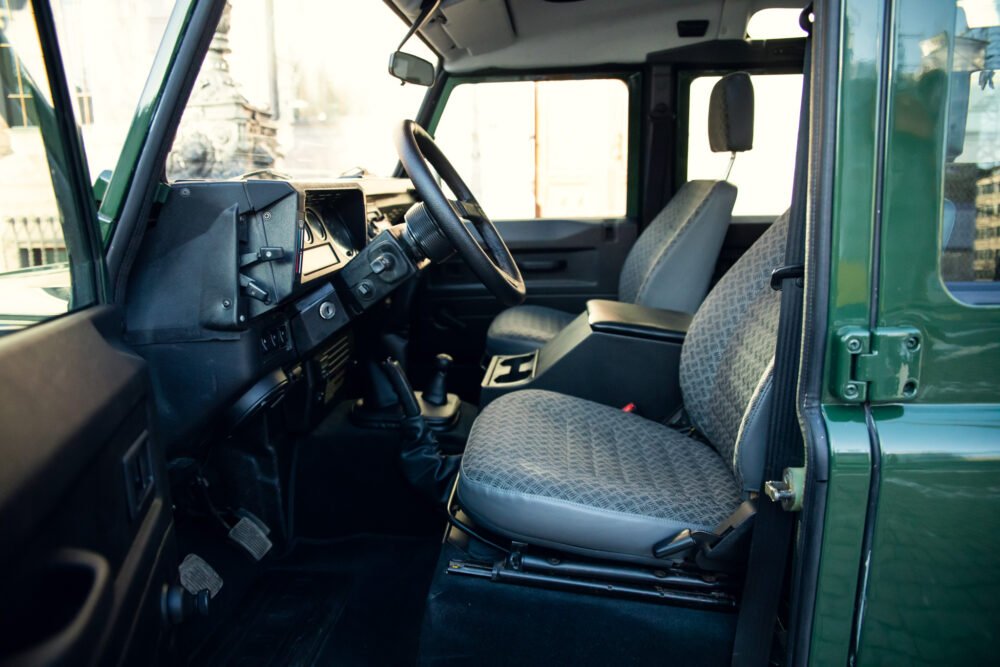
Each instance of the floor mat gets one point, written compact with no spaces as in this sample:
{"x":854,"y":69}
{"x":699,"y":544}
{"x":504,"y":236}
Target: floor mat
{"x":354,"y":601}
{"x":350,"y":482}
{"x":285,"y":620}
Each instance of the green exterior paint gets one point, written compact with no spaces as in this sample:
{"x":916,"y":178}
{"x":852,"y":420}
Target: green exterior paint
{"x":857,"y":164}
{"x":961,"y":342}
{"x":934,"y":588}
{"x":850,"y":303}
{"x":149,"y":102}
{"x":846,"y":500}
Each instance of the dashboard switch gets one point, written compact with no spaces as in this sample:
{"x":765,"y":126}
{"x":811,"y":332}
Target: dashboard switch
{"x":254,"y":290}
{"x":365,"y":289}
{"x":382,"y":263}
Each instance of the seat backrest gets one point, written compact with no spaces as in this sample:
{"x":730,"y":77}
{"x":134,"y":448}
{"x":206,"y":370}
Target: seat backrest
{"x":671,"y":264}
{"x":728,"y":357}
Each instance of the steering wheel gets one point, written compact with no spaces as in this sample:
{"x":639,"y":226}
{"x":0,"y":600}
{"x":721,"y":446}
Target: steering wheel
{"x":487,"y":256}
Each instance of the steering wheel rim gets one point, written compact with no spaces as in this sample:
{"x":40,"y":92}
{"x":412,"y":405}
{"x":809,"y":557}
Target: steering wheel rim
{"x":493,"y":264}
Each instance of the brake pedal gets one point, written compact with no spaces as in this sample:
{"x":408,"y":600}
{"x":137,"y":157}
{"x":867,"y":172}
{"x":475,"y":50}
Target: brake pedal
{"x":252,"y":534}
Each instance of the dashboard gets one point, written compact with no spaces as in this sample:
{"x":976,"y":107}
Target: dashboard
{"x":244,"y":292}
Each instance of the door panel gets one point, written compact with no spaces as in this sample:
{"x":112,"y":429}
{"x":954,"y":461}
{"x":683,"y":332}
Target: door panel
{"x":79,"y":520}
{"x":85,"y":520}
{"x":564,"y":263}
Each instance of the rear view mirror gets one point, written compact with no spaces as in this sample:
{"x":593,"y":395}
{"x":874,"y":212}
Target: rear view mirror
{"x":411,"y":69}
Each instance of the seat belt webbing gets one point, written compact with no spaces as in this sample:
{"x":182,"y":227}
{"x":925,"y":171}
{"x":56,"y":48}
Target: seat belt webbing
{"x":660,"y":127}
{"x":773,"y":528}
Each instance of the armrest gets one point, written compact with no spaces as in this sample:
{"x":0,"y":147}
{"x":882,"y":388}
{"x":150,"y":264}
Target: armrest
{"x":627,"y":319}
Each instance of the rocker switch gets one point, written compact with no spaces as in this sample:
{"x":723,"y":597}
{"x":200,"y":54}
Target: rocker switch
{"x":382,"y":263}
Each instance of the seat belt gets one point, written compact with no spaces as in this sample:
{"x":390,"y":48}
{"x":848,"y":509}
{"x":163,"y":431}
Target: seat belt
{"x":773,"y":531}
{"x":660,"y":117}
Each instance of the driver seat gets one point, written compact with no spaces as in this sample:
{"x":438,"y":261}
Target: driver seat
{"x":671,"y":263}
{"x":558,"y":471}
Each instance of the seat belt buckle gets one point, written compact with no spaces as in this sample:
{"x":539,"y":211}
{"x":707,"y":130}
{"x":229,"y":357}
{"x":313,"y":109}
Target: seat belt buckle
{"x":789,"y":490}
{"x":630,"y":407}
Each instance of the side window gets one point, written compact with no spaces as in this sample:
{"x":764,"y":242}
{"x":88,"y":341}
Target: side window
{"x":38,"y":277}
{"x":541,"y":149}
{"x":970,"y":211}
{"x":763,"y":175}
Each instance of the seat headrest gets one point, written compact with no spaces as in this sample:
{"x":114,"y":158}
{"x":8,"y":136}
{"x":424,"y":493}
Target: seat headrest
{"x":730,"y":114}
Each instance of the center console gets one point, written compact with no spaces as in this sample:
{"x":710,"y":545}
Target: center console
{"x":613,"y":353}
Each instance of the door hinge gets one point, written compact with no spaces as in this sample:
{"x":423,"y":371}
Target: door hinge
{"x":880,"y":365}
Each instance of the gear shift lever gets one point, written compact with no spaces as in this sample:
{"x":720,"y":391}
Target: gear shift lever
{"x":437,"y":388}
{"x":424,"y":466}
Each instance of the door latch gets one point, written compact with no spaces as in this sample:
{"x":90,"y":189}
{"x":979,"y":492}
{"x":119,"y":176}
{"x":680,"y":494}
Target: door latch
{"x":789,"y":490}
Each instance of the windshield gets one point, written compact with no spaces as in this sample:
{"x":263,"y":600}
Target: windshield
{"x":299,"y":88}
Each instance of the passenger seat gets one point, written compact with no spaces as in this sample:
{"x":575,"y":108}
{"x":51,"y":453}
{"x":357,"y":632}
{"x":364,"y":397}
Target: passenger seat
{"x":671,"y":264}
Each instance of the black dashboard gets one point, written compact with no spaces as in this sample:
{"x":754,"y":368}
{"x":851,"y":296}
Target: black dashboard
{"x":243,"y":293}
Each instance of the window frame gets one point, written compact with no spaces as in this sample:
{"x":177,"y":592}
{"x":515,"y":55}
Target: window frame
{"x":70,"y":176}
{"x":437,"y":100}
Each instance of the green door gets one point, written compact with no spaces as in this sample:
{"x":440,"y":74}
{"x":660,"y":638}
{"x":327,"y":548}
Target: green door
{"x":932,"y":591}
{"x":909,"y":572}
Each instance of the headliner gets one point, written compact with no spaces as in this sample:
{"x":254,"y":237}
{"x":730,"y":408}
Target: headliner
{"x":517,"y":34}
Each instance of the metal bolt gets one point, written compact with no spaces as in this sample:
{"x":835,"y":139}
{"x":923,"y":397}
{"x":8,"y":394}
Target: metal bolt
{"x":226,"y":303}
{"x":243,"y":318}
{"x":851,"y":391}
{"x":267,"y":215}
{"x":853,"y":345}
{"x":185,"y":192}
{"x":912,"y":343}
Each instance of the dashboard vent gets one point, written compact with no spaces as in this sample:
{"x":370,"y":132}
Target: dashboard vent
{"x":333,"y":363}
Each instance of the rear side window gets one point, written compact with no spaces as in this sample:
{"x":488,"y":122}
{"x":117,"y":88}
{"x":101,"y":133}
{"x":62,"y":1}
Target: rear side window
{"x":762,"y":175}
{"x":970,"y":210}
{"x":541,"y":149}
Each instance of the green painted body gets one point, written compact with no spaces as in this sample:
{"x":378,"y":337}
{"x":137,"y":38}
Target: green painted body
{"x":930,"y":593}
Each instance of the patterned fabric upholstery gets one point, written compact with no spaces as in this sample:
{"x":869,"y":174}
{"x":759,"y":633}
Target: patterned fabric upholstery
{"x":665,"y":234}
{"x":727,"y":355}
{"x":599,"y":464}
{"x":666,"y":268}
{"x":522,"y":329}
{"x":559,"y":471}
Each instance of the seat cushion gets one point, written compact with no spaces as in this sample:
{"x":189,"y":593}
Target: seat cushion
{"x":523,"y":329}
{"x":567,"y":473}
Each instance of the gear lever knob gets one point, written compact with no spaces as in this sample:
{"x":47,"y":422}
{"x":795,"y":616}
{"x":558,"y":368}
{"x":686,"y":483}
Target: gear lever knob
{"x":437,"y":389}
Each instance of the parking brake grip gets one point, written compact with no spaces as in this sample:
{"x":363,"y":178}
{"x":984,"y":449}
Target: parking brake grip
{"x":425,"y":467}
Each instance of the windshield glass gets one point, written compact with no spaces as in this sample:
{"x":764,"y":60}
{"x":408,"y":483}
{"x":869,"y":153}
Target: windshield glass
{"x":297,"y":87}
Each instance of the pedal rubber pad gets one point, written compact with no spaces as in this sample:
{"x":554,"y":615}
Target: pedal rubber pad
{"x":252,"y":536}
{"x":197,"y":576}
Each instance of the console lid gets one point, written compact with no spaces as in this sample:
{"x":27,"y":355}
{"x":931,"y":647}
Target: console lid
{"x":629,"y":319}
